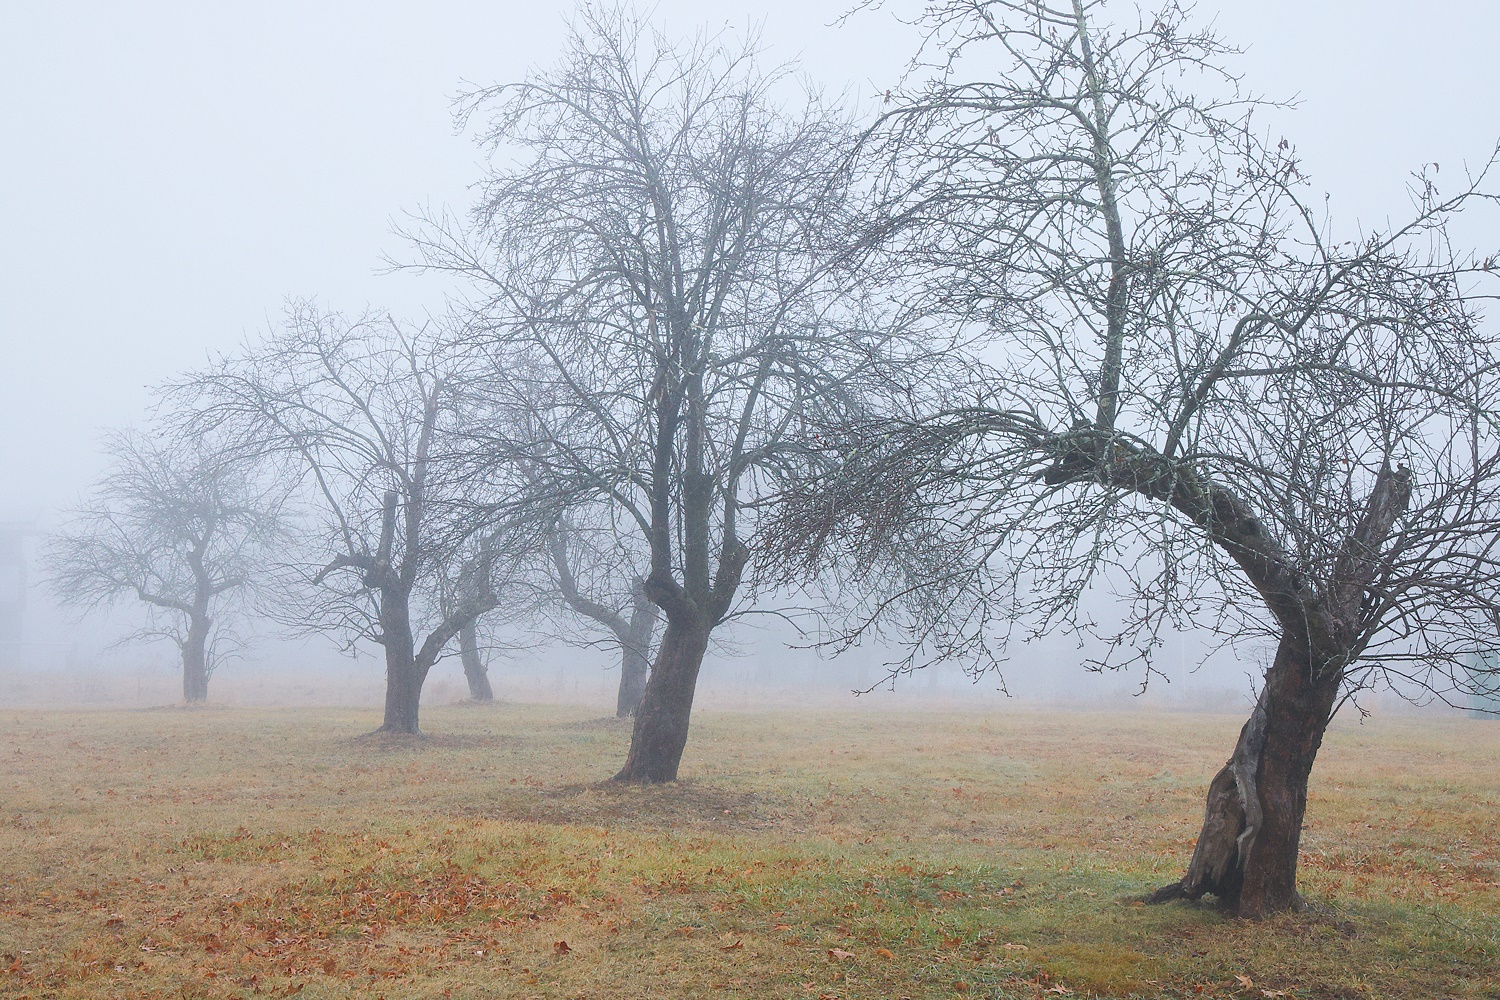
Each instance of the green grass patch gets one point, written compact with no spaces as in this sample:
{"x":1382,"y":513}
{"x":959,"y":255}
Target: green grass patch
{"x":229,"y":853}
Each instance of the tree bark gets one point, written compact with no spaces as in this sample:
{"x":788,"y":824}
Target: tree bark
{"x":1252,"y":825}
{"x":195,"y":662}
{"x":635,"y":653}
{"x":403,"y":676}
{"x":475,"y":671}
{"x":666,"y":706}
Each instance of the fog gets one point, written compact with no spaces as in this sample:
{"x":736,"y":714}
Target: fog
{"x":174,"y":172}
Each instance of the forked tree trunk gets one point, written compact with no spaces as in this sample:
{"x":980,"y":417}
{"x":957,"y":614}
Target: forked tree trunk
{"x":666,"y":706}
{"x":403,"y":677}
{"x":635,"y":654}
{"x":475,"y":671}
{"x":195,"y":662}
{"x":1252,"y":824}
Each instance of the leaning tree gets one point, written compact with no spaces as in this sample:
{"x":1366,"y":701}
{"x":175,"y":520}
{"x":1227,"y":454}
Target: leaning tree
{"x":181,"y":525}
{"x":657,"y":256}
{"x":1187,"y":385}
{"x":362,"y":416}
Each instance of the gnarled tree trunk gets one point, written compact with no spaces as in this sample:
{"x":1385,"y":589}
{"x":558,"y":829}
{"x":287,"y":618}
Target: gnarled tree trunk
{"x":666,"y":706}
{"x":1252,"y":824}
{"x":475,"y":671}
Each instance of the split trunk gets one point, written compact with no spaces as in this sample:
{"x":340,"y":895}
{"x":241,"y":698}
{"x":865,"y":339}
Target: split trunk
{"x":1252,"y":824}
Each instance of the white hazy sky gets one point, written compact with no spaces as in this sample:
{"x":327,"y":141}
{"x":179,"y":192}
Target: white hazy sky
{"x":170,"y":172}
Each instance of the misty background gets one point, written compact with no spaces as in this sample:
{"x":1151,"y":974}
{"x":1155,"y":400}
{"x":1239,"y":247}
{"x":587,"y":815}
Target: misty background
{"x":172,"y":173}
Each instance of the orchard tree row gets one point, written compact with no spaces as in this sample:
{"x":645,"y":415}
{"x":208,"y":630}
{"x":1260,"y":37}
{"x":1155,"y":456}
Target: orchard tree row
{"x":1060,"y":316}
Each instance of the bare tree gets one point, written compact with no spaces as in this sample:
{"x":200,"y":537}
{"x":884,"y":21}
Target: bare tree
{"x":476,"y":670}
{"x":474,"y":576}
{"x":505,"y":565}
{"x":1196,"y":393}
{"x":180,"y":525}
{"x":659,"y":259}
{"x":588,"y":570}
{"x":362,"y":415}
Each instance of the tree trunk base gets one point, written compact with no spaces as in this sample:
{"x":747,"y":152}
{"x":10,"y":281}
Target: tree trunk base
{"x":1247,"y":849}
{"x":392,"y":735}
{"x":661,"y":720}
{"x":1176,"y":891}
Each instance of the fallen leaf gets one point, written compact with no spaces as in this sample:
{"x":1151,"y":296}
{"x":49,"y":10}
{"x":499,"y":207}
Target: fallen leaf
{"x":782,"y":927}
{"x":330,"y":966}
{"x":561,"y":947}
{"x":736,"y":946}
{"x":684,"y":931}
{"x":838,"y":953}
{"x":1059,"y":989}
{"x":1276,"y":993}
{"x":1016,"y":947}
{"x":884,"y":953}
{"x":1245,"y":981}
{"x":960,"y":987}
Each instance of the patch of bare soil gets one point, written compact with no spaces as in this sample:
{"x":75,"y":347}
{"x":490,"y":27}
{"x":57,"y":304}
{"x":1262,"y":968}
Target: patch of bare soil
{"x":605,"y":724}
{"x":682,"y":805}
{"x":389,"y":742}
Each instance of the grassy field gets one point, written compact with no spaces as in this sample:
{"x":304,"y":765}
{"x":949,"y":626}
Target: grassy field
{"x":239,"y":853}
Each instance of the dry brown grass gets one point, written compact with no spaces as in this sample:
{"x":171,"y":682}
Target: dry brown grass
{"x":236,"y":853}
